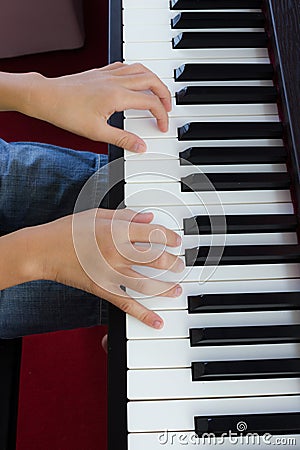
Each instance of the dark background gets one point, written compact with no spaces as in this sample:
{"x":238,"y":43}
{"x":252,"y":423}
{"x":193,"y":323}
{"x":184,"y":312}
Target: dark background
{"x":62,"y":403}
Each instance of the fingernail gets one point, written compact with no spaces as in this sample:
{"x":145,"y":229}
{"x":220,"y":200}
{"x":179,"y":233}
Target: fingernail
{"x":180,"y":266}
{"x":157,"y":324}
{"x":178,"y":291}
{"x":139,"y":147}
{"x":178,"y":240}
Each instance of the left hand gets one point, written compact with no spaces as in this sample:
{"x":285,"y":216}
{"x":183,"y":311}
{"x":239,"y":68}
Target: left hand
{"x":82,"y":103}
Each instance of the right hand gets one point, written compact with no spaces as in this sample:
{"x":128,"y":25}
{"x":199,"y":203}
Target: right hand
{"x":102,"y":262}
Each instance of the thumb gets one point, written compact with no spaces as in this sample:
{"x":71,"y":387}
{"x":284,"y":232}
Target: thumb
{"x":123,"y":139}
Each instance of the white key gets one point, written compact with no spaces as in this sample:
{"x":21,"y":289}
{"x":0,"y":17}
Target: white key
{"x":165,"y":4}
{"x":178,"y":323}
{"x":147,"y":194}
{"x":158,"y":16}
{"x":147,"y":128}
{"x":217,"y":287}
{"x":143,"y":4}
{"x":175,"y":415}
{"x":209,"y":274}
{"x":160,"y":148}
{"x":162,"y":170}
{"x":210,"y":110}
{"x":164,"y":50}
{"x":175,"y":86}
{"x":165,"y":68}
{"x":170,"y":384}
{"x":172,"y":216}
{"x":142,"y":32}
{"x":190,"y":441}
{"x":230,"y":239}
{"x":172,"y":353}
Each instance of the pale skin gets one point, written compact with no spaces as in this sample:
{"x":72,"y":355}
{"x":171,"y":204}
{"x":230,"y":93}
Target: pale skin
{"x":82,"y":103}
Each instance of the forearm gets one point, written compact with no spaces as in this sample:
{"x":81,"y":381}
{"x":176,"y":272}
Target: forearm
{"x":15,"y":264}
{"x":16,"y":90}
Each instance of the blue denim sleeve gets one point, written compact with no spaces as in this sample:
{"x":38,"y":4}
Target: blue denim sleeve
{"x":40,"y":183}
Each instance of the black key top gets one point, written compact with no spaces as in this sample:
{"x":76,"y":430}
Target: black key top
{"x":216,"y":95}
{"x":242,"y":254}
{"x":235,"y":181}
{"x":216,"y":4}
{"x":273,"y":424}
{"x":269,"y":223}
{"x":277,"y":334}
{"x":218,"y":20}
{"x":245,"y":369}
{"x":223,"y":72}
{"x":262,"y":301}
{"x":233,"y":155}
{"x":220,"y":40}
{"x":230,"y":130}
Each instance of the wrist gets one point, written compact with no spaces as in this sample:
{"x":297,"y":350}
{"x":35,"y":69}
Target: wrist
{"x":17,"y":264}
{"x":18,"y":91}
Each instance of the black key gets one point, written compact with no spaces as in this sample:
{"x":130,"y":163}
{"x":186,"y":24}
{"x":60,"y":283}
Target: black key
{"x":269,"y":223}
{"x":220,"y":40}
{"x":245,"y":369}
{"x":216,"y":4}
{"x":216,"y":95}
{"x":218,"y":20}
{"x":262,"y":301}
{"x":223,"y":72}
{"x":230,"y":130}
{"x":233,"y":155}
{"x":242,"y":254}
{"x":277,"y":334}
{"x":273,"y":424}
{"x":235,"y":181}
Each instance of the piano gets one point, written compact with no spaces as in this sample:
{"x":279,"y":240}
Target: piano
{"x":226,"y":177}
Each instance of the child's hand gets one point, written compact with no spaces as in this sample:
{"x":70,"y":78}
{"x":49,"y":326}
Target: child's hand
{"x":82,"y":103}
{"x":106,"y":250}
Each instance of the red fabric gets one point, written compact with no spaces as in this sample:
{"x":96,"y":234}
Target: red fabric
{"x":62,"y":403}
{"x":63,"y":375}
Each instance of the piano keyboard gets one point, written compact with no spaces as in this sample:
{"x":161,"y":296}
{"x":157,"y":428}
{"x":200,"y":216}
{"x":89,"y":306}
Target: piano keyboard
{"x":228,"y":357}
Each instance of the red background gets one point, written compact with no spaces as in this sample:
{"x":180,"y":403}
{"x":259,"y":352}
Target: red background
{"x":63,"y":375}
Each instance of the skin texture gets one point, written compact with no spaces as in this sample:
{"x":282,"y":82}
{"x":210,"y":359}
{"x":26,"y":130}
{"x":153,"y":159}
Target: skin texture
{"x":82,"y":103}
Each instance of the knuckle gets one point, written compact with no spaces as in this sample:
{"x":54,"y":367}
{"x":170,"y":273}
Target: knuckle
{"x":145,"y":317}
{"x":162,"y":261}
{"x":123,"y":141}
{"x":140,"y":285}
{"x":138,"y":66}
{"x":126,"y":306}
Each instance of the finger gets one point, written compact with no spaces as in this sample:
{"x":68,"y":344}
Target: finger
{"x":151,"y":287}
{"x":146,"y":256}
{"x":136,"y":71}
{"x":104,"y":343}
{"x":156,"y":234}
{"x":122,"y":139}
{"x":131,"y":69}
{"x":143,"y":101}
{"x":130,"y":306}
{"x":149,"y":81}
{"x":125,"y":214}
{"x":112,"y":66}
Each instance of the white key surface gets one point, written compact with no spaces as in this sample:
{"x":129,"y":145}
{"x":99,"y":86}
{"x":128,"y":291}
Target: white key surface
{"x":172,"y":415}
{"x":178,"y":323}
{"x":177,"y":383}
{"x":174,"y":353}
{"x":216,"y":287}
